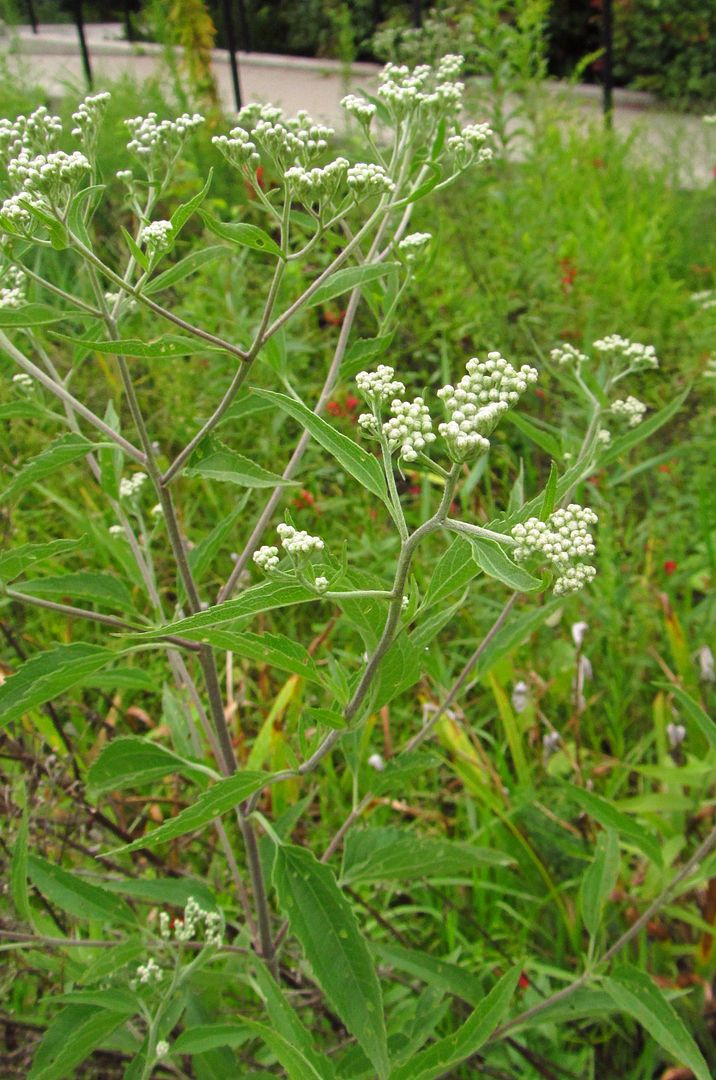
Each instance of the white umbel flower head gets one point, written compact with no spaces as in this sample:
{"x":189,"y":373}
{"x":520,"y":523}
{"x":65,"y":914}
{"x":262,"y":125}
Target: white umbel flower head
{"x":479,"y":400}
{"x":362,"y":110}
{"x":156,"y":236}
{"x":297,"y":542}
{"x":368,"y":179}
{"x":129,"y":486}
{"x":410,"y":428}
{"x":410,"y":247}
{"x":266,"y":558}
{"x":636,"y":356}
{"x":321,"y":583}
{"x":630,"y":409}
{"x":562,"y":541}
{"x":379,"y":385}
{"x":568,"y":356}
{"x":23,"y":380}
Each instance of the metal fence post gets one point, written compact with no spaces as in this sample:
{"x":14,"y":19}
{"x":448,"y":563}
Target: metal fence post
{"x":231,"y":39}
{"x":417,"y":14}
{"x":33,"y":16}
{"x":80,"y":24}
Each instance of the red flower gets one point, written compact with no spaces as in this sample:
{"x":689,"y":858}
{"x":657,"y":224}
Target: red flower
{"x":569,"y":273}
{"x":304,"y":500}
{"x":523,"y":982}
{"x":670,"y":566}
{"x":665,"y":468}
{"x":352,"y":402}
{"x":414,"y":489}
{"x":598,"y":163}
{"x":333,"y":318}
{"x":334,"y":408}
{"x":540,"y":393}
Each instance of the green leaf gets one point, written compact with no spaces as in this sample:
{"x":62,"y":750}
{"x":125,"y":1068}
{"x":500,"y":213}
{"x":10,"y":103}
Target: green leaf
{"x":219,"y":799}
{"x":213,"y":460}
{"x":75,"y":895}
{"x":77,"y":218}
{"x":491,"y":558}
{"x":328,"y":717}
{"x":164,"y":348}
{"x":198,"y":1040}
{"x":286,"y":1023}
{"x":244,"y":235}
{"x":276,"y":650}
{"x":610,"y":818}
{"x":32,"y":314}
{"x":200,"y":557}
{"x":13,"y":563}
{"x":18,"y":871}
{"x":512,"y":635}
{"x":116,"y":999}
{"x":692,"y":709}
{"x":363,"y":352}
{"x":99,"y":588}
{"x":455,"y":569}
{"x":46,"y":675}
{"x":21,"y":410}
{"x":296,"y":1064}
{"x":535,"y":434}
{"x":263,"y":597}
{"x":401,"y":771}
{"x":58,"y":455}
{"x":71,"y":1037}
{"x":361,"y":465}
{"x":599,"y":880}
{"x":398,"y":671}
{"x":549,"y":497}
{"x":422,"y":189}
{"x":130,"y":761}
{"x":448,"y":1053}
{"x":642,"y":431}
{"x":388,"y":854}
{"x":445,"y":976}
{"x":182,"y":213}
{"x":139,"y":256}
{"x":172,"y":891}
{"x":182,"y":269}
{"x":324,"y":923}
{"x":350,"y":277}
{"x":634,"y":992}
{"x":111,"y":458}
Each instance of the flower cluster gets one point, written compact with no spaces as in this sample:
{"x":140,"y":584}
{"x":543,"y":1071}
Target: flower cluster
{"x":154,"y":140}
{"x":162,"y":1048}
{"x":266,"y":558}
{"x":23,"y":380}
{"x":413,"y":245}
{"x":562,"y":540}
{"x":51,"y":173}
{"x":568,"y":356}
{"x":468,"y":145}
{"x":188,"y":928}
{"x":12,"y":293}
{"x":410,"y":428}
{"x":129,"y":486}
{"x":475,"y":406}
{"x":317,"y":185}
{"x":706,"y":299}
{"x":149,"y":972}
{"x":156,"y":236}
{"x":297,"y":542}
{"x":88,"y":118}
{"x":37,"y":133}
{"x":362,"y":110}
{"x":238,"y":148}
{"x":262,"y":129}
{"x":379,"y":385}
{"x":421,"y":92}
{"x":630,"y":409}
{"x":638,"y":357}
{"x":368,"y":179}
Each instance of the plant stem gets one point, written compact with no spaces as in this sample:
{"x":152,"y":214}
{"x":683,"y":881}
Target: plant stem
{"x":477,"y":530}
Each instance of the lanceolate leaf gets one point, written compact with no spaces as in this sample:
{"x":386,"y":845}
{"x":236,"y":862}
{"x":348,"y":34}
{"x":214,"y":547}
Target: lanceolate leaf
{"x":511,"y":635}
{"x":324,"y":923}
{"x":603,"y":812}
{"x":263,"y":597}
{"x":197,"y":1040}
{"x":18,"y":871}
{"x":34,"y":315}
{"x":693,"y":710}
{"x":182,"y":213}
{"x":217,"y":462}
{"x":445,"y":976}
{"x":285,"y":1021}
{"x":60,"y":453}
{"x":392,"y":855}
{"x":74,"y":895}
{"x":99,"y":588}
{"x":70,"y":1039}
{"x":48,"y":674}
{"x":296,"y":1064}
{"x":219,"y":799}
{"x":635,"y":993}
{"x":186,"y":266}
{"x":491,"y":558}
{"x":15,"y":562}
{"x":600,"y":879}
{"x":130,"y":761}
{"x":454,"y":570}
{"x":451,"y":1051}
{"x":244,"y":235}
{"x":164,"y":348}
{"x":276,"y":650}
{"x":349,"y":278}
{"x":361,"y":465}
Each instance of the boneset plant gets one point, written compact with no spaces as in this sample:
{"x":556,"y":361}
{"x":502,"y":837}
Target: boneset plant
{"x":331,"y":228}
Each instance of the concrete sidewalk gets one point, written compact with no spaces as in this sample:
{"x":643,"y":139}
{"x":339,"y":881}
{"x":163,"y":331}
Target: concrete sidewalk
{"x":52,"y":58}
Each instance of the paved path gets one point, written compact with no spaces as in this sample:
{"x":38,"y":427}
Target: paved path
{"x":52,"y":58}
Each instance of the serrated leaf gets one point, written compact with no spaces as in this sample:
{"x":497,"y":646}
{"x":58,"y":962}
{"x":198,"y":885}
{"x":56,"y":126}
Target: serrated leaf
{"x":296,"y":1064}
{"x":46,"y":675}
{"x":13,"y":563}
{"x":219,"y":799}
{"x":75,"y":895}
{"x":454,"y":570}
{"x":361,"y":465}
{"x":166,"y":347}
{"x":276,"y":650}
{"x":285,"y":1021}
{"x":324,"y":923}
{"x":130,"y":761}
{"x":610,"y":818}
{"x":350,"y":277}
{"x":71,"y":1037}
{"x":448,"y":977}
{"x":263,"y":597}
{"x":387,"y":854}
{"x":62,"y":452}
{"x":635,"y":993}
{"x":599,"y":880}
{"x":99,"y":588}
{"x":243,"y":234}
{"x":451,"y":1051}
{"x":213,"y":460}
{"x":491,"y":558}
{"x":363,"y":352}
{"x":183,"y":269}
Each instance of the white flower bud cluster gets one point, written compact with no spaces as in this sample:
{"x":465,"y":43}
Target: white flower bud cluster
{"x":637,"y":356}
{"x":149,"y":972}
{"x":156,"y":236}
{"x":238,"y":148}
{"x":560,"y":540}
{"x":37,"y":132}
{"x":706,"y":299}
{"x":410,"y":428}
{"x":368,"y":179}
{"x":122,"y":301}
{"x":266,"y":558}
{"x":23,"y":380}
{"x":362,"y":110}
{"x":88,"y":116}
{"x":604,"y":436}
{"x":152,"y":139}
{"x":321,"y":583}
{"x":129,"y":486}
{"x":421,"y":92}
{"x":410,"y":247}
{"x":568,"y":356}
{"x":316,"y":185}
{"x":369,"y":424}
{"x":468,"y":145}
{"x":188,"y":928}
{"x":379,"y":385}
{"x":47,"y":172}
{"x":297,"y":542}
{"x":116,"y":530}
{"x":15,"y":210}
{"x":449,"y":66}
{"x":630,"y":409}
{"x":161,"y":1049}
{"x":12,"y":293}
{"x":297,"y":140}
{"x":476,"y":404}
